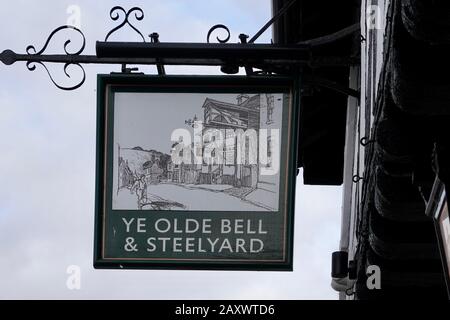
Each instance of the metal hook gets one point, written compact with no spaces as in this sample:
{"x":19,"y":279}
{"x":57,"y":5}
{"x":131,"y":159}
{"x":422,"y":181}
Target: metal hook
{"x":350,"y":292}
{"x":365,"y":141}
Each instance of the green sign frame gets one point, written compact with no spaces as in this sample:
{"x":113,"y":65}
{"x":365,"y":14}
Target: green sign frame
{"x":199,"y":239}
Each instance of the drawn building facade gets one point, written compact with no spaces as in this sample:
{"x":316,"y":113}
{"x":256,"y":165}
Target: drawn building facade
{"x":228,"y":117}
{"x":238,"y":124}
{"x":126,"y":177}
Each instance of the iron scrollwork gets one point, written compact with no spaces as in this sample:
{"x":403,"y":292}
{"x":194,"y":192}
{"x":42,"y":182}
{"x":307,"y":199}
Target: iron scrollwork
{"x":31,"y":51}
{"x":268,"y":64}
{"x":115,"y":14}
{"x":219,"y":26}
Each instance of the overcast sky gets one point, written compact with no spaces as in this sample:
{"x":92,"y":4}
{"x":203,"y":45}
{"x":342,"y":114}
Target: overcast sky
{"x":47,"y":166}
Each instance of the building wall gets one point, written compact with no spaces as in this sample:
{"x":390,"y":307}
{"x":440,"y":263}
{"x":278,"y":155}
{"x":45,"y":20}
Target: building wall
{"x":360,"y":117}
{"x":270,"y":112}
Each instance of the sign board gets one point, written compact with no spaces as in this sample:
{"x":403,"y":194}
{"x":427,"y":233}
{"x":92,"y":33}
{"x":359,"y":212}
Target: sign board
{"x":438,"y":209}
{"x":195,"y":172}
{"x":443,"y":225}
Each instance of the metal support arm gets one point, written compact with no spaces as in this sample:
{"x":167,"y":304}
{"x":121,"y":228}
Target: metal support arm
{"x":269,"y":58}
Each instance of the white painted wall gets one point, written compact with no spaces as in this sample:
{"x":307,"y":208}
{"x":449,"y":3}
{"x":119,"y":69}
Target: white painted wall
{"x":360,"y":115}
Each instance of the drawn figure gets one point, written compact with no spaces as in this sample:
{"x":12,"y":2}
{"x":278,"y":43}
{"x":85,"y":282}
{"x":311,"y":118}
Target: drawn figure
{"x":140,"y":189}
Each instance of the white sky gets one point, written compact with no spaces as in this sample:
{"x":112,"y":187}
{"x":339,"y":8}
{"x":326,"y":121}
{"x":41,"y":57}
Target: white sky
{"x":47,"y":166}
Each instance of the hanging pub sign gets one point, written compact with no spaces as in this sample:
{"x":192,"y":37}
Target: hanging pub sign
{"x":438,"y":209}
{"x":442,"y":224}
{"x":195,"y":172}
{"x":444,"y":228}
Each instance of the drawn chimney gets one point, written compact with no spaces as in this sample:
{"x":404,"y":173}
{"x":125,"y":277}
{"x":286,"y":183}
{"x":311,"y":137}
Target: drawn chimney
{"x":242,"y":98}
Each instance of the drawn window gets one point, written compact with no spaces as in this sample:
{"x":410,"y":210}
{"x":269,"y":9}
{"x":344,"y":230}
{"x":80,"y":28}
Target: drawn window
{"x":270,"y":107}
{"x":269,"y":151}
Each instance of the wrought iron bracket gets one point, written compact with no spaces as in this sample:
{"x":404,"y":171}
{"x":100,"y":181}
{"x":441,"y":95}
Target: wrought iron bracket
{"x":268,"y":58}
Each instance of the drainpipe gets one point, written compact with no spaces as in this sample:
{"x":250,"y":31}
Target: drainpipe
{"x":342,"y":283}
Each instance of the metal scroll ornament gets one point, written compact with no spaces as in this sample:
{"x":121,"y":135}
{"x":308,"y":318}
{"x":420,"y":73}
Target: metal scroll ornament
{"x":31,"y":51}
{"x":214,"y":28}
{"x":115,"y":15}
